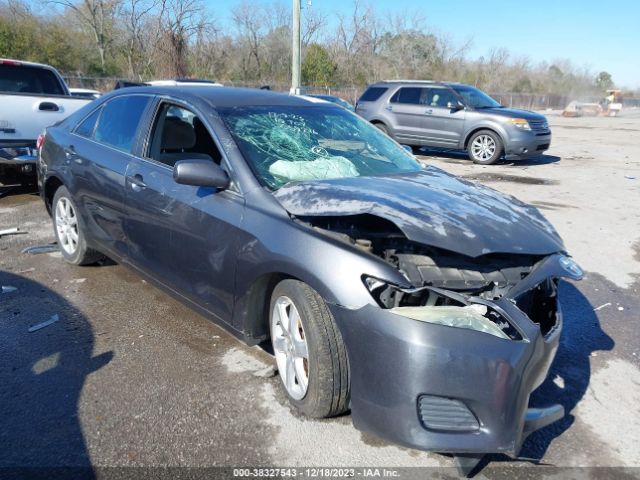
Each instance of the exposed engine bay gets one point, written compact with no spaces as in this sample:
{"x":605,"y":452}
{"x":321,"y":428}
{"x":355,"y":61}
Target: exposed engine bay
{"x":443,"y":278}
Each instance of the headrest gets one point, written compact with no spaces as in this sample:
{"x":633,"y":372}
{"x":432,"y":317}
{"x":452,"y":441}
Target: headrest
{"x":177,"y":134}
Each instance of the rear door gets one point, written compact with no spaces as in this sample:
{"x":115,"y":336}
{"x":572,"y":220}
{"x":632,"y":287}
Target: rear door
{"x":98,"y":153}
{"x":407,"y":111}
{"x":442,"y":125}
{"x":186,"y":237}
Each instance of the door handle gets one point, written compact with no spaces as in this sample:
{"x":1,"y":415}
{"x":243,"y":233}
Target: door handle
{"x":429,"y":111}
{"x":137,"y":183}
{"x":48,"y":107}
{"x":388,"y":107}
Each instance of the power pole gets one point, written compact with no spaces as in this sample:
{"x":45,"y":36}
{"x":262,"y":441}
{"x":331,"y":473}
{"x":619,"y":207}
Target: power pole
{"x":295,"y":56}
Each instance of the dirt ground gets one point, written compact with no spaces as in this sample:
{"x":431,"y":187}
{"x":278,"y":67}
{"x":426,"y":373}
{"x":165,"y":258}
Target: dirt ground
{"x":127,"y":376}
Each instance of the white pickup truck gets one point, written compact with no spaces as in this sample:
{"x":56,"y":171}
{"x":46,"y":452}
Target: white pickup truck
{"x":32,"y":97}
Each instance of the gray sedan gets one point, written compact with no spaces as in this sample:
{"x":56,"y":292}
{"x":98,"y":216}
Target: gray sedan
{"x":422,"y":302}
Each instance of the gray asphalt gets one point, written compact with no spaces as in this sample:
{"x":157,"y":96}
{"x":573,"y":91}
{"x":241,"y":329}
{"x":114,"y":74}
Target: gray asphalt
{"x":127,"y":376}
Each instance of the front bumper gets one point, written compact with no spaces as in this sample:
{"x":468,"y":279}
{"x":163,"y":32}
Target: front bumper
{"x":395,"y":361}
{"x":527,"y":144}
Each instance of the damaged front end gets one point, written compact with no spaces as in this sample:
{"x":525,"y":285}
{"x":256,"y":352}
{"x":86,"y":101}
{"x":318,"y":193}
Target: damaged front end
{"x":448,"y":364}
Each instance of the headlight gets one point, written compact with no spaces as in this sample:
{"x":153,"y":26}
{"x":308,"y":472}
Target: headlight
{"x":571,"y":267}
{"x":521,"y":123}
{"x":469,"y":317}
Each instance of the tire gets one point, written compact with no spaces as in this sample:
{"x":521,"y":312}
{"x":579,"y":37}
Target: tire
{"x":68,"y":229}
{"x":325,"y":368}
{"x":485,"y":147}
{"x":382,"y":127}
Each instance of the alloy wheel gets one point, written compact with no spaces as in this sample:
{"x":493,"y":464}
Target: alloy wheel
{"x":483,"y":147}
{"x":290,"y":347}
{"x":66,"y":225}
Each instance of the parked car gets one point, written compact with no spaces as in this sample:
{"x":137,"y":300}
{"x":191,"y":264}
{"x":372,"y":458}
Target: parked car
{"x":455,"y":116}
{"x":334,"y":99}
{"x":85,"y":93}
{"x":32,"y":97}
{"x":425,"y":303}
{"x":183,"y":82}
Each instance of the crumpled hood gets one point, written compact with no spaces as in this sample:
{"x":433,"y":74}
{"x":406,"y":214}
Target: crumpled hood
{"x":431,"y":207}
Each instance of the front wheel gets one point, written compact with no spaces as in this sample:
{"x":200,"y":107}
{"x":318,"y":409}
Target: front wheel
{"x":309,"y":351}
{"x":67,"y":227}
{"x":485,"y":147}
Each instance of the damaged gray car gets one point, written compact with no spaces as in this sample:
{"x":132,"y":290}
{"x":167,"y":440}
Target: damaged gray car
{"x":425,"y":304}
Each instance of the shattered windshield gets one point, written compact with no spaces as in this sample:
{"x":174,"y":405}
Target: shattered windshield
{"x":285,"y":144}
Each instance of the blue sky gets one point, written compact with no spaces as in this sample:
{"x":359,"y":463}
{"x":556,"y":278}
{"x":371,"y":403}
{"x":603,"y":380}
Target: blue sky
{"x":600,"y":35}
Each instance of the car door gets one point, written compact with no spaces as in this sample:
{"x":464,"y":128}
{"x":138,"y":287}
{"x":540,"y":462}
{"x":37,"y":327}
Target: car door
{"x":407,"y":113}
{"x":98,"y":152}
{"x":443,"y":122}
{"x":184,"y":236}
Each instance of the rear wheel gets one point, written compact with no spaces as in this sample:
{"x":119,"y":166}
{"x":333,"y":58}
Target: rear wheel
{"x":382,"y":127}
{"x":309,"y":351}
{"x":485,"y":147}
{"x":67,"y":227}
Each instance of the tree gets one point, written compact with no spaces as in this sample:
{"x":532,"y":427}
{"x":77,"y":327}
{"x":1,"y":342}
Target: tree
{"x":98,"y":17}
{"x":318,"y":68}
{"x":604,"y":81}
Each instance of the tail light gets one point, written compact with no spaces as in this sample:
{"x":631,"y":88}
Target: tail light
{"x":13,"y":63}
{"x":40,"y":141}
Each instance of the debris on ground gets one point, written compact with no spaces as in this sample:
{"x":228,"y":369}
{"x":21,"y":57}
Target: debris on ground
{"x":36,"y":249}
{"x":78,"y":280}
{"x":8,"y":289}
{"x":10,"y":231}
{"x":602,"y":306}
{"x":26,"y":270}
{"x":266,"y":372}
{"x":54,"y":318}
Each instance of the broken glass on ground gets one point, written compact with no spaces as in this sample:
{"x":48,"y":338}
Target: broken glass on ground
{"x":54,"y":318}
{"x":37,"y":249}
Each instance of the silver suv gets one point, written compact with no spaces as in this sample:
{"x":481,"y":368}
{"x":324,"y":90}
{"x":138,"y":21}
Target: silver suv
{"x":454,"y":115}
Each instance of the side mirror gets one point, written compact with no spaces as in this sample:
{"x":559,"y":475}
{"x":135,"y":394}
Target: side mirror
{"x":455,"y":106}
{"x":200,"y":173}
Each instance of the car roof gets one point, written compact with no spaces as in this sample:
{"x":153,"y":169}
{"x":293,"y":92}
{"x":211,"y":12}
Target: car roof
{"x":22,"y":63}
{"x":413,"y":82}
{"x":223,"y":97}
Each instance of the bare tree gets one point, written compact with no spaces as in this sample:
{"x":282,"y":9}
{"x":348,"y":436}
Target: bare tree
{"x":179,"y":22}
{"x":98,"y":17}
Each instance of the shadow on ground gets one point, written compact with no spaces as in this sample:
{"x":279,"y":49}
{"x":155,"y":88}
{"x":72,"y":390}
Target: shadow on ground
{"x":42,"y":374}
{"x":460,"y":157}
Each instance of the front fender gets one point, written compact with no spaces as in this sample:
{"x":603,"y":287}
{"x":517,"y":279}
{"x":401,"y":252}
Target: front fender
{"x":496,"y":126}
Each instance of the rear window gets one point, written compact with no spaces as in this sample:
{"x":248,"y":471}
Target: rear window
{"x":33,"y":80}
{"x":119,"y":121}
{"x":372,"y":94}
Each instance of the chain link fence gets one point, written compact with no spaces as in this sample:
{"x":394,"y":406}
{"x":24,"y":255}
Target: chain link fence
{"x":527,"y":101}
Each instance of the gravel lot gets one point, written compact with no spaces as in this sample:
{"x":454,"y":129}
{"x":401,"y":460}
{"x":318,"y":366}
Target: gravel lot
{"x":130,"y":377}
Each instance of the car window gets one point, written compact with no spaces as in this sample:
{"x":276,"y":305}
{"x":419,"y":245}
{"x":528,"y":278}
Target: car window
{"x":372,"y":94}
{"x":440,"y":97}
{"x":119,"y":121}
{"x":475,"y":98}
{"x":179,"y":134}
{"x":25,"y":79}
{"x":87,"y":126}
{"x":409,"y":95}
{"x":286,"y":144}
